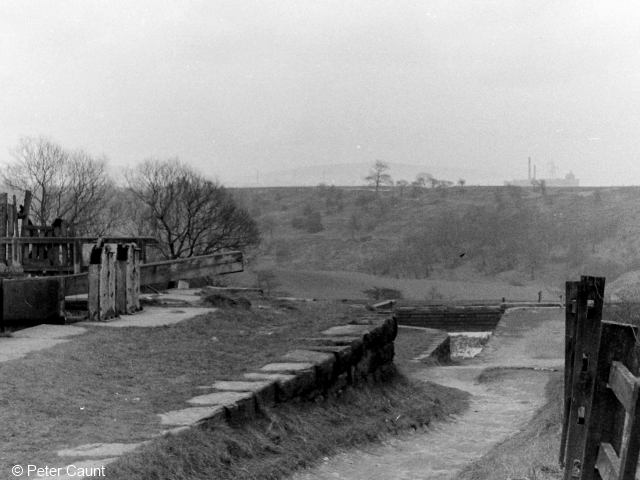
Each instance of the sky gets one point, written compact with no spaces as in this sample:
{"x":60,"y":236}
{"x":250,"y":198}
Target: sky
{"x":239,"y":89}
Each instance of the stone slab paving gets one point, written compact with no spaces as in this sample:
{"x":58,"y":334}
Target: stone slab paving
{"x":220,"y":398}
{"x":239,"y":386}
{"x":95,"y":450}
{"x":276,"y":377}
{"x":190,"y":416}
{"x":35,"y":338}
{"x":153,"y":317}
{"x":286,"y":367}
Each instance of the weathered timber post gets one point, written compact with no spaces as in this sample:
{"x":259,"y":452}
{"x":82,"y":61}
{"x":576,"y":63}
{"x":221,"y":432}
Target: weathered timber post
{"x":102,"y":284}
{"x":4,"y":211}
{"x":590,"y":297}
{"x":77,"y":256}
{"x":127,"y":279}
{"x":133,"y":279}
{"x":121,"y":279}
{"x":2,"y":323}
{"x":615,"y":417}
{"x":570,"y":312}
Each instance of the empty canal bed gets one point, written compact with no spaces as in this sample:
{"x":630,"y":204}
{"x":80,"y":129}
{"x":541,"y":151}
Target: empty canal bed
{"x":506,"y":382}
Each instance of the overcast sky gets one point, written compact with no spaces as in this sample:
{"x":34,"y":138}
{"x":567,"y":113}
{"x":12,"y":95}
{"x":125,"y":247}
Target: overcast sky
{"x":235,"y":87}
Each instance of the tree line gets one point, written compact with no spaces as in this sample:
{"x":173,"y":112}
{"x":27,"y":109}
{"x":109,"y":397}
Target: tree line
{"x":188,"y":213}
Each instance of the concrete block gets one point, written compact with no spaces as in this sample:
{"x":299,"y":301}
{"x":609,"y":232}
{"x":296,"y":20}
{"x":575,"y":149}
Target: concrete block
{"x":33,"y":300}
{"x":219,"y":398}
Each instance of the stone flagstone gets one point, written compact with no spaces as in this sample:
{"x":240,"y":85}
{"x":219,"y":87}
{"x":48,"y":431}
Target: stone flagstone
{"x":286,"y":367}
{"x":191,"y":416}
{"x":219,"y":398}
{"x":99,"y":450}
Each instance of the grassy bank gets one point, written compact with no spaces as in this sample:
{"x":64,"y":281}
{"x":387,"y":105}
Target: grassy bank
{"x":109,"y":384}
{"x":292,"y":436}
{"x":531,"y":453}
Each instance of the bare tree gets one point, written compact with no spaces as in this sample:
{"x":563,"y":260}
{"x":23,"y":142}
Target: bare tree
{"x":189,"y":214}
{"x":68,"y":185}
{"x":378,"y":176}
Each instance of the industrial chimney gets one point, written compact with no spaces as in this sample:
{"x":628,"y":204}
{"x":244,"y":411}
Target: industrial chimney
{"x":529,"y":176}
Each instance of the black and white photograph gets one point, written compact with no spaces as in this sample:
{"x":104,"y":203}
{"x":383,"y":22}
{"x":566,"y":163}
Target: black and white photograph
{"x":319,"y":239}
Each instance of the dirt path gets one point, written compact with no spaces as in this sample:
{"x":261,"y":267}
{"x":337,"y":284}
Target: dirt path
{"x":526,"y":344}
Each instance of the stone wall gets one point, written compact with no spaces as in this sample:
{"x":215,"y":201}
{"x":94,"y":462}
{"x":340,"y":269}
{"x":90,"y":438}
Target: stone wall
{"x":338,"y":357}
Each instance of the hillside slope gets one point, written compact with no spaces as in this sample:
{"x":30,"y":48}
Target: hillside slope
{"x":508,"y":235}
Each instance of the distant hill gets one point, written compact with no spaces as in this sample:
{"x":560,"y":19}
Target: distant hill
{"x":504,"y":234}
{"x":353,"y":174}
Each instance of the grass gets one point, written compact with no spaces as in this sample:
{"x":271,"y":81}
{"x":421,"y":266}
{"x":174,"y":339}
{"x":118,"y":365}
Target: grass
{"x":108,"y":384}
{"x":531,"y":453}
{"x":609,"y":250}
{"x":291,"y":436}
{"x":343,"y":284}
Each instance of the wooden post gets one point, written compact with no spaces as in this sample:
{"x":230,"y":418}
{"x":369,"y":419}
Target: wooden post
{"x":133,"y":279}
{"x":107,"y":285}
{"x":26,"y":209}
{"x":587,"y":341}
{"x":94,"y":283}
{"x":77,"y":256}
{"x":121,"y":279}
{"x":571,"y":289}
{"x":2,"y":324}
{"x":613,"y":412}
{"x":4,"y":213}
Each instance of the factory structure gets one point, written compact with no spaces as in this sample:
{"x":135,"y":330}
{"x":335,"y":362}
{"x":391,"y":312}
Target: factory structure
{"x":532,"y":180}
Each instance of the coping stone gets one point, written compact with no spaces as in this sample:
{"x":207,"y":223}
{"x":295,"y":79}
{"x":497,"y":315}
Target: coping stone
{"x":276,"y":377}
{"x":308,"y":356}
{"x":287,"y":367}
{"x":347,"y":330}
{"x":264,"y":390}
{"x":192,"y":415}
{"x":219,"y":398}
{"x":240,"y":386}
{"x":99,"y":450}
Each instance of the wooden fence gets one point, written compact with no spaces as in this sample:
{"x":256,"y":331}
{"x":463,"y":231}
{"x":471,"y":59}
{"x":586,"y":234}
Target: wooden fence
{"x":601,"y":429}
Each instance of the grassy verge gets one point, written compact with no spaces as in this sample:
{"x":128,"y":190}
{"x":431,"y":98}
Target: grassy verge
{"x":109,"y":384}
{"x":533,"y":452}
{"x":291,"y":436}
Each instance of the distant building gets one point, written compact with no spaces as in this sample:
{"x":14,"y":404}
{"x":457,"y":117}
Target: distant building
{"x":569,"y":180}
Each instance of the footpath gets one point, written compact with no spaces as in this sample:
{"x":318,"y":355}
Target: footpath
{"x":526,"y":346}
{"x":176,"y":307}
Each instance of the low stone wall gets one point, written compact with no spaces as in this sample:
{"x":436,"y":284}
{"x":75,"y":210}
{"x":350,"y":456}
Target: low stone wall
{"x":339,"y":356}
